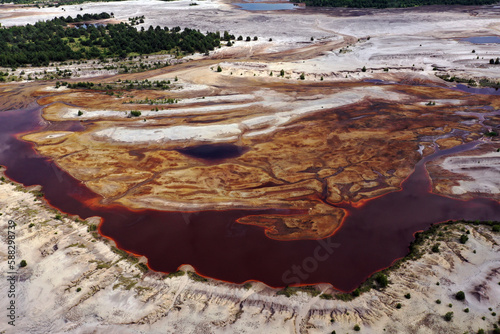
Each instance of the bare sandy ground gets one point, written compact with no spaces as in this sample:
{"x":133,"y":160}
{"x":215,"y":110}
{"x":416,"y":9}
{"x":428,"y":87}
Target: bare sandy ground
{"x":74,"y":283}
{"x":480,"y":179}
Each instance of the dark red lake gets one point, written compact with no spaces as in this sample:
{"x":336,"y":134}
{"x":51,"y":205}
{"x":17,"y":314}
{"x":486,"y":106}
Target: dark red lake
{"x":371,"y":238}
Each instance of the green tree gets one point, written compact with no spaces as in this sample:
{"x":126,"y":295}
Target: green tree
{"x":382,"y":280}
{"x":460,"y":295}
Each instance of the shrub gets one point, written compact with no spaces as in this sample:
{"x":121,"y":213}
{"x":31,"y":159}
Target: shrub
{"x":23,"y":264}
{"x":407,"y":296}
{"x":255,"y":38}
{"x":78,"y":289}
{"x":248,"y":39}
{"x":480,"y":331}
{"x":31,"y":225}
{"x":143,"y":267}
{"x":463,"y":238}
{"x":58,"y":217}
{"x":382,"y":280}
{"x":357,"y":328}
{"x":438,"y":301}
{"x":135,"y":113}
{"x":435,"y":248}
{"x":302,"y":76}
{"x":448,"y":316}
{"x":460,"y":295}
{"x":80,"y":113}
{"x":398,"y":306}
{"x":466,"y":310}
{"x":363,"y":69}
{"x":219,"y":69}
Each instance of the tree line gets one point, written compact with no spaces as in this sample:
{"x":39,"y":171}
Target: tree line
{"x":55,"y":40}
{"x":390,"y":3}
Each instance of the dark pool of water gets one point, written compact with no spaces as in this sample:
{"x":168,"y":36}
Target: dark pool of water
{"x":266,"y":6}
{"x":482,"y":39}
{"x":371,"y":238}
{"x":214,"y":151}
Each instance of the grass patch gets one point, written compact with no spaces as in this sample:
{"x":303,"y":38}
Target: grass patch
{"x":195,"y":277}
{"x":290,"y":291}
{"x":177,"y":273}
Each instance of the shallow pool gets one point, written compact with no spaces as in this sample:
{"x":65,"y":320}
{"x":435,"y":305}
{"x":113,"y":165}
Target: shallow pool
{"x":482,"y":39}
{"x":266,"y":6}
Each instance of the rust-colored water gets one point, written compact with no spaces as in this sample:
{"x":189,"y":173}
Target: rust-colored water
{"x":371,"y":237}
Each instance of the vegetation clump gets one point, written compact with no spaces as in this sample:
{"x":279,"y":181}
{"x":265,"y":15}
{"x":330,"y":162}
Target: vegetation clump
{"x":290,"y":291}
{"x":195,"y":277}
{"x":57,"y":40}
{"x":448,"y":316}
{"x":135,"y":113}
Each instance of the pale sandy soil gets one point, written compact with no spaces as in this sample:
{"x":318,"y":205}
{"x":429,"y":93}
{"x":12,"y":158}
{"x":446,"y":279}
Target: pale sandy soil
{"x":482,"y":173}
{"x":117,"y":297}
